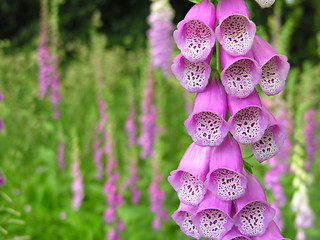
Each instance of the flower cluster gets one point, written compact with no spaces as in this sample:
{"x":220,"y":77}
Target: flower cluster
{"x":160,"y":21}
{"x":311,"y":145}
{"x":219,"y":199}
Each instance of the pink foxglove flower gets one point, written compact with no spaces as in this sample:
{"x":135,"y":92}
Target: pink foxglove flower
{"x":275,"y":67}
{"x":2,"y":180}
{"x":194,"y":36}
{"x":265,"y":3}
{"x":240,"y":74}
{"x":271,"y":233}
{"x":253,"y":212}
{"x":60,"y":155}
{"x":235,"y":30}
{"x":248,"y":120}
{"x":212,"y":218}
{"x":225,"y":178}
{"x":183,"y":218}
{"x":188,"y":180}
{"x":206,"y":124}
{"x":234,"y":234}
{"x":160,"y":34}
{"x":193,"y":76}
{"x":270,"y":143}
{"x":130,"y":126}
{"x":309,"y":130}
{"x":77,"y":185}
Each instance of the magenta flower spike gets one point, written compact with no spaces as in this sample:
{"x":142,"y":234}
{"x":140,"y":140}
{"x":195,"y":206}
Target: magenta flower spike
{"x":188,"y":179}
{"x":206,"y":124}
{"x":240,"y":74}
{"x":193,"y":76}
{"x":253,"y":212}
{"x":235,"y":30}
{"x":212,"y":218}
{"x":270,"y":143}
{"x":272,"y":233}
{"x":248,"y":120}
{"x":234,"y":234}
{"x":274,"y":67}
{"x":265,"y":3}
{"x":225,"y":178}
{"x":182,"y":217}
{"x":194,"y":36}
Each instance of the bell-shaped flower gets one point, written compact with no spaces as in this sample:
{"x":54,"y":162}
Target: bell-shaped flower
{"x":182,"y":217}
{"x":270,"y":143}
{"x":234,"y":234}
{"x":206,"y":124}
{"x":195,"y":36}
{"x":212,"y":218}
{"x":265,"y":3}
{"x":225,"y":178}
{"x":253,"y":212}
{"x":274,"y":67}
{"x":240,"y":74}
{"x":272,"y":233}
{"x":193,"y":76}
{"x":248,"y":120}
{"x":188,"y":179}
{"x":235,"y":30}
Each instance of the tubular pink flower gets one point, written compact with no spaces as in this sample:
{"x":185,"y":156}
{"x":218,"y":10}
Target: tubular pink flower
{"x":235,"y":30}
{"x":265,"y":3}
{"x":309,"y":133}
{"x":277,"y":217}
{"x":188,"y":179}
{"x":225,"y":178}
{"x":270,"y":143}
{"x":212,"y":218}
{"x":130,"y":126}
{"x":253,"y":212}
{"x":193,"y":76}
{"x":234,"y":234}
{"x":272,"y":233}
{"x":274,"y":67}
{"x":194,"y":36}
{"x":240,"y":74}
{"x":206,"y":124}
{"x":183,"y":218}
{"x":77,"y":186}
{"x":248,"y":120}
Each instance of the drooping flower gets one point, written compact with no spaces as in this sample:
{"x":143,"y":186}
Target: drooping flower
{"x":265,"y":3}
{"x":55,"y":96}
{"x":193,"y":76}
{"x":77,"y":185}
{"x":235,"y":30}
{"x":274,"y":67}
{"x":212,"y":218}
{"x":194,"y":36}
{"x":248,"y":120}
{"x":253,"y":212}
{"x":240,"y":74}
{"x":160,"y":34}
{"x":188,"y":180}
{"x":206,"y":124}
{"x":309,"y":130}
{"x":225,"y":178}
{"x":183,"y":218}
{"x":234,"y":234}
{"x":272,"y":232}
{"x":270,"y":143}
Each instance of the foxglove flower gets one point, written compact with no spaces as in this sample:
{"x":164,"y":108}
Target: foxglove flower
{"x":240,"y":74}
{"x":235,"y":30}
{"x":265,"y":3}
{"x":97,"y":155}
{"x":2,"y":180}
{"x":309,"y":130}
{"x":270,"y":143}
{"x":212,"y":218}
{"x":130,"y":126}
{"x":188,"y":180}
{"x":160,"y":34}
{"x":275,"y":67}
{"x":234,"y":234}
{"x":248,"y":120}
{"x":272,"y":233}
{"x":60,"y":155}
{"x":253,"y":212}
{"x":183,"y":218}
{"x":194,"y":36}
{"x":193,"y":76}
{"x":206,"y":124}
{"x":77,"y":185}
{"x":225,"y":178}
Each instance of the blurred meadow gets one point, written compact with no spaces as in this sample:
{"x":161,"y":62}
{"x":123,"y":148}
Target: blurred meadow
{"x":103,"y":53}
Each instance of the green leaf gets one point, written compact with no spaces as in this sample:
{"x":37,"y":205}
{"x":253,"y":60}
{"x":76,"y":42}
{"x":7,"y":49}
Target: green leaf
{"x":195,"y":1}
